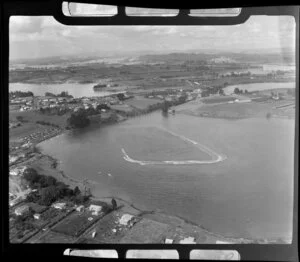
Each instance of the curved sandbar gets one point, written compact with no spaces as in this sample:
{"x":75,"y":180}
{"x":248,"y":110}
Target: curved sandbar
{"x":215,"y":156}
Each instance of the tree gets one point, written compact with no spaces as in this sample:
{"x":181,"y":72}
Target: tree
{"x":46,"y":181}
{"x":50,"y":94}
{"x":33,"y":197}
{"x":78,"y":119}
{"x":182,"y":98}
{"x":49,"y":195}
{"x":236,"y":90}
{"x":102,"y":106}
{"x":77,"y":191}
{"x":121,"y":96}
{"x":165,"y":107}
{"x":114,"y":204}
{"x":31,"y":176}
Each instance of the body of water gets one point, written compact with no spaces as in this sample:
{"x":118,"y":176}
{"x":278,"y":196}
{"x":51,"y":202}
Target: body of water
{"x":241,"y":184}
{"x":259,"y":86}
{"x":74,"y":89}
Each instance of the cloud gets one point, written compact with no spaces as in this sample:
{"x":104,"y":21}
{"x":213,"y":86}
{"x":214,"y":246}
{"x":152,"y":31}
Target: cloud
{"x":49,"y":37}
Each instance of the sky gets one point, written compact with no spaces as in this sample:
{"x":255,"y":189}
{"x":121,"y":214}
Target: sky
{"x":43,"y":36}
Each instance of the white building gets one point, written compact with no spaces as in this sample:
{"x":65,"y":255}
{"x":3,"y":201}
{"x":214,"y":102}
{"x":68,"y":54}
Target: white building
{"x":125,"y":219}
{"x":80,"y":208}
{"x":59,"y":205}
{"x":188,"y":240}
{"x":168,"y":241}
{"x":95,"y":209}
{"x":37,"y":216}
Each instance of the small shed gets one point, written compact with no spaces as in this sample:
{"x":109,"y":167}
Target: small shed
{"x":188,"y":240}
{"x":37,"y":216}
{"x":59,"y":205}
{"x":80,"y":208}
{"x":168,"y":241}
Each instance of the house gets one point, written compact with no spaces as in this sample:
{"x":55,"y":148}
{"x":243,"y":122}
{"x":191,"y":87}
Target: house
{"x":59,"y":205}
{"x":125,"y":219}
{"x":37,"y":216}
{"x":168,"y":241}
{"x":95,"y":209}
{"x":188,"y":240}
{"x":21,"y":210}
{"x":80,"y":208}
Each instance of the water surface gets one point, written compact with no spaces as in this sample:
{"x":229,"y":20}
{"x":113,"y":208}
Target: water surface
{"x":74,"y":89}
{"x":249,"y":194}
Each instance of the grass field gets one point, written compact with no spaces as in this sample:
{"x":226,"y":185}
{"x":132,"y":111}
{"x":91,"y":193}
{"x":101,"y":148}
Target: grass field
{"x":33,"y":116}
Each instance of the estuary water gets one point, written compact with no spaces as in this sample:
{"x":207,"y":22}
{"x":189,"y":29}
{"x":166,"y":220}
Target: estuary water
{"x":234,"y":177}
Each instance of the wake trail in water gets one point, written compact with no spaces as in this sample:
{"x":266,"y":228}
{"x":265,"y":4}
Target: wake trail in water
{"x":215,"y":156}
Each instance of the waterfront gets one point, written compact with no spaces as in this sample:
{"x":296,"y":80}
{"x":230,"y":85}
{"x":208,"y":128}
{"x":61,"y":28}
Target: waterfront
{"x":233,"y":197}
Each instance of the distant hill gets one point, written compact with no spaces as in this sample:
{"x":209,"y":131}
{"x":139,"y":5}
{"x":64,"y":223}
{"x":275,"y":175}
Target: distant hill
{"x":285,"y":57}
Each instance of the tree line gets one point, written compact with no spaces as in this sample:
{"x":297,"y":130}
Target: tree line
{"x":15,"y":94}
{"x":49,"y":190}
{"x":62,"y":94}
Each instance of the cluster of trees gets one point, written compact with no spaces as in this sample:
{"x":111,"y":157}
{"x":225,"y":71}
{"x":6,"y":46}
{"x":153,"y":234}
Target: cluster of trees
{"x":78,"y":119}
{"x":47,"y":123}
{"x":49,"y":190}
{"x":23,"y":223}
{"x":211,"y":91}
{"x":62,"y":94}
{"x":102,"y":106}
{"x":21,"y":119}
{"x":122,"y":97}
{"x":20,"y":94}
{"x":240,"y":91}
{"x":54,"y":111}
